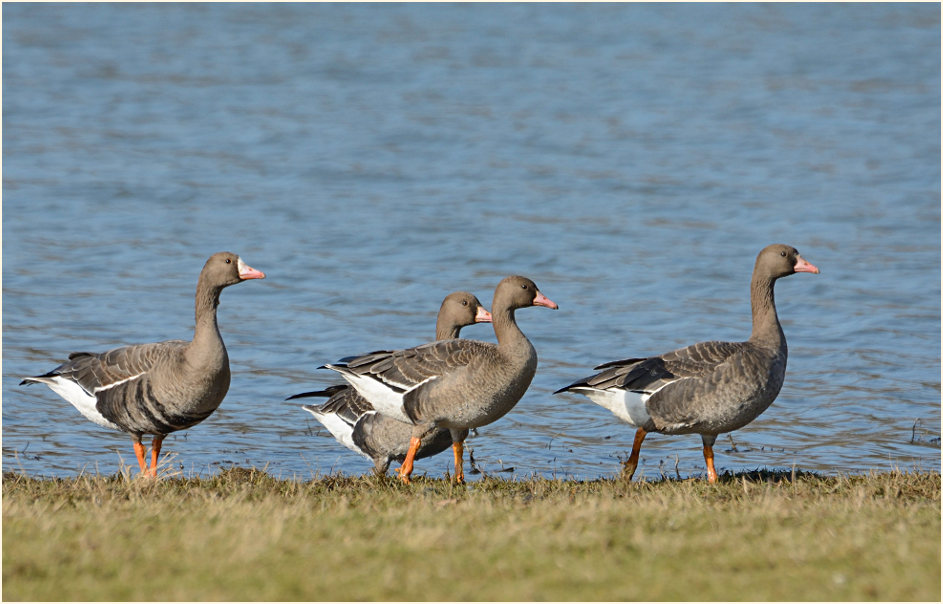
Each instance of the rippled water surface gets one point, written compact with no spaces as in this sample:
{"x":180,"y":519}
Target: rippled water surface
{"x":631,"y":159}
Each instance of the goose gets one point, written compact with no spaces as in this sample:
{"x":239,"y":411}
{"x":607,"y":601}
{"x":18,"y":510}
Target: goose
{"x":354,"y":422}
{"x":159,"y":387}
{"x":454,"y":384}
{"x":707,"y":388}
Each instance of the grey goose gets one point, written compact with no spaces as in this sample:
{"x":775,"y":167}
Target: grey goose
{"x":354,"y":422}
{"x":707,"y":388}
{"x":454,"y":384}
{"x":160,"y":387}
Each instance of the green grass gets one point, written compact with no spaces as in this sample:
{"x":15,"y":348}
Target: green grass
{"x":245,"y":535}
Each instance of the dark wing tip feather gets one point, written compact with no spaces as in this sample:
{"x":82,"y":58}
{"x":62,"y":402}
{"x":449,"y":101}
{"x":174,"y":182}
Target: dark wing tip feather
{"x":617,"y":363}
{"x":354,"y":357}
{"x":327,"y":392}
{"x":580,"y":382}
{"x":39,"y":379}
{"x":610,"y":364}
{"x":305,"y":395}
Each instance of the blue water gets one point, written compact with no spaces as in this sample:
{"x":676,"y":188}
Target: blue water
{"x":632,"y":159}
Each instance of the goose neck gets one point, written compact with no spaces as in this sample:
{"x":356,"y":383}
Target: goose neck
{"x":206,"y":336}
{"x":505,"y":327}
{"x":447,"y":332}
{"x":766,"y":327}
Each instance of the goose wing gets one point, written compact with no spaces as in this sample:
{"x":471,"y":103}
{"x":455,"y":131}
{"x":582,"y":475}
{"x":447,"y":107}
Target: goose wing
{"x":343,"y":400}
{"x":395,"y":382}
{"x":120,"y":386}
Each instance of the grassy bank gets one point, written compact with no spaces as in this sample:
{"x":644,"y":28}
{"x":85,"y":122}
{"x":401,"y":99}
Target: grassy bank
{"x":244,"y":535}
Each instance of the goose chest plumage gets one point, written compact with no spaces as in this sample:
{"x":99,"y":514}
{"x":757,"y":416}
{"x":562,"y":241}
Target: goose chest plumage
{"x":455,"y":384}
{"x":707,"y":388}
{"x":354,"y":422}
{"x":160,"y":387}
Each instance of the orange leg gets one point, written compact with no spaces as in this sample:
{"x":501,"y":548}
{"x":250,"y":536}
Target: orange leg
{"x":458,"y":449}
{"x":407,"y":468}
{"x":155,"y":454}
{"x":140,"y":452}
{"x":628,"y":468}
{"x":709,"y":458}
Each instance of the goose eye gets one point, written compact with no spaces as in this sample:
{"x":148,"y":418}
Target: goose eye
{"x":228,"y":260}
{"x":783,"y":253}
{"x":464,"y":302}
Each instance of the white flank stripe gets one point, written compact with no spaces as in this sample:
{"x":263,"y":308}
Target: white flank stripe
{"x":394,"y":384}
{"x":119,"y":382}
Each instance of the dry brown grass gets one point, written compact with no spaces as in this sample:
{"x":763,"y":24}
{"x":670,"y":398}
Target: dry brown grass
{"x":245,"y":535}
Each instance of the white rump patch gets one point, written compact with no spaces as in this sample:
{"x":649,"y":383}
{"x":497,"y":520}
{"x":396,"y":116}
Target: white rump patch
{"x":339,"y":429}
{"x":384,"y":398}
{"x":626,"y":405}
{"x":71,"y":391}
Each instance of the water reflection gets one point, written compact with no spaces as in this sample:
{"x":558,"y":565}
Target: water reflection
{"x":631,"y":159}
